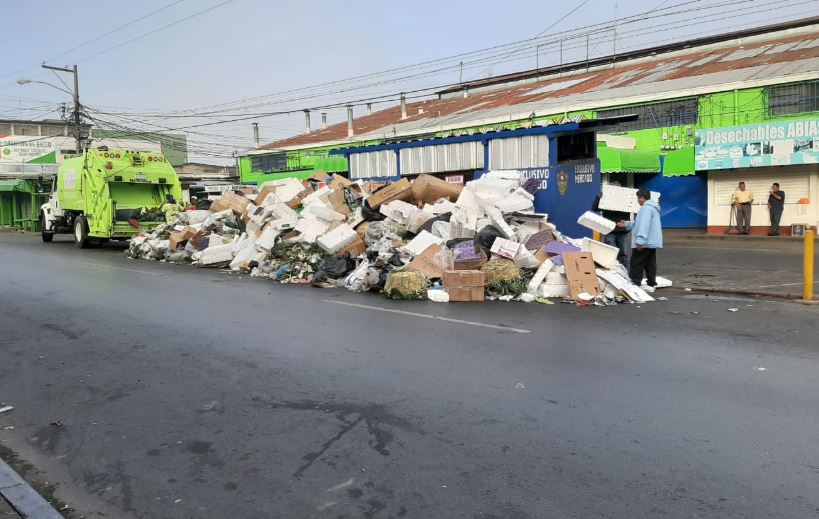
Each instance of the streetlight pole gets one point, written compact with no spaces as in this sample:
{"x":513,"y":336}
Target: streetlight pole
{"x":76,"y":94}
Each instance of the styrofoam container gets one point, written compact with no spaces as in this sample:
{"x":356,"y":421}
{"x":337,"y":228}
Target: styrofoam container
{"x":596,"y":222}
{"x":337,"y":239}
{"x":550,"y":290}
{"x":604,"y":255}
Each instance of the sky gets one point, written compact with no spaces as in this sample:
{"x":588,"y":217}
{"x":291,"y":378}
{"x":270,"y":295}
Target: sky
{"x":174,"y":64}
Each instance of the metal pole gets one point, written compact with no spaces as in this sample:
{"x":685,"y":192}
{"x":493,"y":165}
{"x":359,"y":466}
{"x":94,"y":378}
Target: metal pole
{"x":77,"y":122}
{"x":807,"y":274}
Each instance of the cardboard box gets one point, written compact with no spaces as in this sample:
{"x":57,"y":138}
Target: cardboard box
{"x":425,"y":263}
{"x":319,"y":176}
{"x":539,"y":239}
{"x":355,"y":249}
{"x":464,"y":285}
{"x":372,"y":187}
{"x":505,"y":248}
{"x":337,"y":202}
{"x":266,"y":190}
{"x":623,"y":199}
{"x":401,"y":190}
{"x":339,"y":182}
{"x":428,"y":189}
{"x":581,"y":273}
{"x":469,"y":256}
{"x":219,"y":205}
{"x":295,"y":202}
{"x":179,"y":237}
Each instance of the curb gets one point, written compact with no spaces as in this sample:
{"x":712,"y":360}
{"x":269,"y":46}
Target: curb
{"x":751,"y":293}
{"x":22,"y":497}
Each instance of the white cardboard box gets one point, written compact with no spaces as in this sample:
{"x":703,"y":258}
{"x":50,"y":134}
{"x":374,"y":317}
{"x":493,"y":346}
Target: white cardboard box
{"x":623,"y":199}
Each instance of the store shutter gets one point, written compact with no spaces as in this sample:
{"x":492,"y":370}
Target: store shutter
{"x":796,"y":185}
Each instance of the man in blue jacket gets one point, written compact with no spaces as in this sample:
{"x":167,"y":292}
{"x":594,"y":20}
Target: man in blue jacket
{"x":646,"y":238}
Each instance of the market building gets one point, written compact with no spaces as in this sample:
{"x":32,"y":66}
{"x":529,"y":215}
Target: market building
{"x":679,"y":92}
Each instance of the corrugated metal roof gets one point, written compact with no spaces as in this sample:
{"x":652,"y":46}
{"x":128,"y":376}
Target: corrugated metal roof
{"x":781,"y":58}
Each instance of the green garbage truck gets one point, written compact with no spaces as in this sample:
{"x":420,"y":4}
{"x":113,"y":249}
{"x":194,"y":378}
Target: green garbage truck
{"x":109,"y":195}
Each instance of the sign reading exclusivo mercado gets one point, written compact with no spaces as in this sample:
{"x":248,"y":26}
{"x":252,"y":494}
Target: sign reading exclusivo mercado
{"x":756,"y":145}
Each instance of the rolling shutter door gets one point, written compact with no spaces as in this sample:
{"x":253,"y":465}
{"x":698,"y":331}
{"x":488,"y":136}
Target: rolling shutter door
{"x":796,"y":185}
{"x":442,"y":158}
{"x":373,"y":164}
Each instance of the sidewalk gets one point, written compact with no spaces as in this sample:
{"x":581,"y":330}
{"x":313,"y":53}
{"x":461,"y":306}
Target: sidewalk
{"x":753,"y":265}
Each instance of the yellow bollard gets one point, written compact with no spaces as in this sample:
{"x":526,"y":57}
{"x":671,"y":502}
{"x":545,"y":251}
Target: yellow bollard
{"x":807,"y":274}
{"x":596,"y":235}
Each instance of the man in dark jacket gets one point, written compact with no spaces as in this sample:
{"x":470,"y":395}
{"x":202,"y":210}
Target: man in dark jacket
{"x":776,"y":203}
{"x":619,"y":236}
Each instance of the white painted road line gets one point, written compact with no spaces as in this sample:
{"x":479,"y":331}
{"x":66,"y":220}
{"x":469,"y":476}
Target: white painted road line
{"x":122,"y":268}
{"x":429,"y":316}
{"x":22,"y":497}
{"x":780,"y":285}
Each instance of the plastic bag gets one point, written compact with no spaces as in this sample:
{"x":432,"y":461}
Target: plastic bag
{"x":334,"y":268}
{"x":486,"y":237}
{"x":369,"y":214}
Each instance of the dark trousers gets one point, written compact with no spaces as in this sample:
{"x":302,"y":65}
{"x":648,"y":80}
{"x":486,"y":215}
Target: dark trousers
{"x":618,"y":240}
{"x":643,"y":261}
{"x":776,"y":215}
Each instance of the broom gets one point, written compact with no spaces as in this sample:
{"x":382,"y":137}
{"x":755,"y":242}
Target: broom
{"x":732,"y":228}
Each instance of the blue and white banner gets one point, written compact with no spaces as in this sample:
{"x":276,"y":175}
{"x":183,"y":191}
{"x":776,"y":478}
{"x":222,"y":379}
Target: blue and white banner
{"x":756,"y":145}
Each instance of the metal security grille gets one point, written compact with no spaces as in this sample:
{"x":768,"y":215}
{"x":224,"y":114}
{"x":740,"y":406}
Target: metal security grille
{"x":654,"y":115}
{"x":531,"y":151}
{"x":373,"y":164}
{"x":794,"y":99}
{"x":438,"y":159}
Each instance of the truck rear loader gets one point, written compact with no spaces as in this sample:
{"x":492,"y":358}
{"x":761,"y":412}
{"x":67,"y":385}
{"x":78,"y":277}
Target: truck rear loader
{"x":104,"y":195}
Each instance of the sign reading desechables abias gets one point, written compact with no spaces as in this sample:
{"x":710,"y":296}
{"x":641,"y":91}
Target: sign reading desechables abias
{"x":780,"y":143}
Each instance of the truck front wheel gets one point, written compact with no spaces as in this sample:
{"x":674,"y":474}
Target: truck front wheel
{"x":46,"y":235}
{"x":81,"y":232}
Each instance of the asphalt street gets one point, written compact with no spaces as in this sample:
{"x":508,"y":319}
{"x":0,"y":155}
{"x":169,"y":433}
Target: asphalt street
{"x":146,"y":390}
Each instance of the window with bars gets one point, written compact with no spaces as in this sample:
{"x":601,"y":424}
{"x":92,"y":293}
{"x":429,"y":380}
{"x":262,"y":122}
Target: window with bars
{"x":270,"y":163}
{"x":796,"y":98}
{"x":653,"y":115}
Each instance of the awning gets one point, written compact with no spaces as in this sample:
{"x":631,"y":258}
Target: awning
{"x":616,"y":160}
{"x":679,"y":163}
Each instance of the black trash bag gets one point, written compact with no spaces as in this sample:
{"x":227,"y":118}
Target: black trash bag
{"x":278,"y":248}
{"x":486,"y":238}
{"x":334,"y":268}
{"x":395,"y":260}
{"x":427,"y":226}
{"x":203,"y":205}
{"x":369,"y":214}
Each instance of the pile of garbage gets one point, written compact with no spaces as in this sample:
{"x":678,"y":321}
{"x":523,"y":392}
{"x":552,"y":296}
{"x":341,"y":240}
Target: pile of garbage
{"x":426,"y":239}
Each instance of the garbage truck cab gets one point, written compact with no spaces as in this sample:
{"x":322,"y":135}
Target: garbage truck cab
{"x":105,"y":194}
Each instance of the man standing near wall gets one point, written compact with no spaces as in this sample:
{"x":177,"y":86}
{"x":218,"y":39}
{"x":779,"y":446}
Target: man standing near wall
{"x":776,"y":203}
{"x":742,"y":200}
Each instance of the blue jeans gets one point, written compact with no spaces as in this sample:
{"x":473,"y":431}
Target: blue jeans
{"x":619,"y":240}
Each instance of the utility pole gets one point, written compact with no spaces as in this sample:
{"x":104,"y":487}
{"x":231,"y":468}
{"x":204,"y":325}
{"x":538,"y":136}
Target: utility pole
{"x":76,"y":93}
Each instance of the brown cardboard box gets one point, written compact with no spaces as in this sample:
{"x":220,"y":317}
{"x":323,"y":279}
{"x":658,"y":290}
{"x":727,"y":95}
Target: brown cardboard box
{"x":179,"y":237}
{"x":401,"y":190}
{"x":336,"y":200}
{"x":295,"y":203}
{"x":580,"y":271}
{"x":427,"y":189}
{"x":464,"y":285}
{"x":425,"y":263}
{"x":339,"y":182}
{"x":356,"y":249}
{"x":319,"y":176}
{"x":248,"y":190}
{"x":471,"y":264}
{"x":219,"y":205}
{"x":372,"y":187}
{"x":263,"y":194}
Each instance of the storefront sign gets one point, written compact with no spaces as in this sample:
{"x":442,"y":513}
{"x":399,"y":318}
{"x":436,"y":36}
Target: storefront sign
{"x":541,"y":174}
{"x":757,"y":145}
{"x":14,"y":148}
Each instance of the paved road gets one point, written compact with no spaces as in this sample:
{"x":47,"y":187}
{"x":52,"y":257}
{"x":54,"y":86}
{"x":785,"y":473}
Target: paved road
{"x":186,"y":393}
{"x":772,"y":266}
